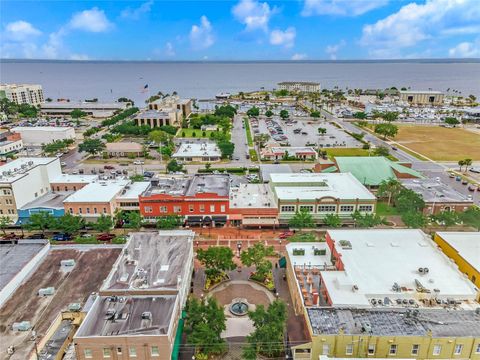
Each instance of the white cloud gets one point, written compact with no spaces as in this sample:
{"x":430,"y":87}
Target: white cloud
{"x":332,"y":50}
{"x":416,"y":23}
{"x":20,"y":31}
{"x":79,"y":57}
{"x":93,"y":20}
{"x":340,"y":7}
{"x":169,"y":50}
{"x":465,"y":50}
{"x":253,"y":14}
{"x":283,"y":38}
{"x":136,"y":13}
{"x":299,"y":56}
{"x":201,"y":36}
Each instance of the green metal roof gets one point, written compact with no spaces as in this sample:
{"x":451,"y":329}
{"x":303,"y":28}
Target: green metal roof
{"x":372,"y":170}
{"x":330,"y":169}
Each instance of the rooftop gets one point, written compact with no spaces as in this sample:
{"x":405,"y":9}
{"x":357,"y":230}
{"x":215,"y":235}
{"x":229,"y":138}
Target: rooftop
{"x":292,"y":150}
{"x":421,"y":92}
{"x":252,"y":196}
{"x":82,"y":105}
{"x":18,"y":168}
{"x":197,"y":150}
{"x":267,"y":169}
{"x":386,"y":264}
{"x":212,"y":183}
{"x":98,"y":191}
{"x":395,"y":322}
{"x":151,"y":261}
{"x":154,"y":114}
{"x":49,"y":200}
{"x":372,"y":170}
{"x":74,"y":179}
{"x":42,"y":128}
{"x":131,"y":315}
{"x":133,"y":190}
{"x":467,"y":244}
{"x":435,"y":191}
{"x":124,"y":146}
{"x":171,"y":185}
{"x":308,"y":186}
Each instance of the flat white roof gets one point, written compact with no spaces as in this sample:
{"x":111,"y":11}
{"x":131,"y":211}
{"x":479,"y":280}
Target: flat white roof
{"x":421,"y":92}
{"x":19,"y":167}
{"x":309,"y":186}
{"x":467,"y":245}
{"x":309,"y":258}
{"x":42,"y":128}
{"x":98,"y":191}
{"x":377,"y":259}
{"x":197,"y":150}
{"x":74,"y":179}
{"x":133,"y":190}
{"x":251,"y":196}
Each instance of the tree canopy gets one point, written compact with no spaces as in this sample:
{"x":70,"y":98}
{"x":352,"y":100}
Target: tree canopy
{"x":302,"y":219}
{"x":216,"y":260}
{"x":103,"y":224}
{"x":386,"y":129}
{"x":91,"y":146}
{"x":257,"y":255}
{"x":332,"y":220}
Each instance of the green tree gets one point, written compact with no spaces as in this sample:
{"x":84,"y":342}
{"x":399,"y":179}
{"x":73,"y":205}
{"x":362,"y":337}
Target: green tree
{"x":226,"y":148}
{"x":332,"y":220}
{"x":451,"y":121}
{"x":225,"y":111}
{"x":390,"y":116}
{"x":137,"y":178}
{"x":40,"y":221}
{"x":5,"y":222}
{"x":360,"y":115}
{"x":103,"y":224}
{"x":389,"y":188}
{"x":257,"y":255}
{"x":315,"y":114}
{"x":468,"y":162}
{"x":322,"y":131}
{"x":268,"y":337}
{"x":69,"y":224}
{"x":269,"y":113}
{"x":253,"y":112}
{"x":159,"y":136}
{"x":261,"y":139}
{"x":77,"y":114}
{"x":174,"y":166}
{"x":367,"y":220}
{"x":134,"y":220}
{"x":409,"y":200}
{"x":216,"y":260}
{"x":169,"y":222}
{"x":471,"y":217}
{"x":386,"y":129}
{"x":414,"y":219}
{"x":446,"y":218}
{"x":302,"y":219}
{"x":381,"y":151}
{"x":284,"y":114}
{"x":91,"y":146}
{"x":461,"y":163}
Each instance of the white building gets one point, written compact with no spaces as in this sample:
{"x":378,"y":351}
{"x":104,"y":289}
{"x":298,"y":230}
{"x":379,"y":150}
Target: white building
{"x":302,"y":86}
{"x":10,"y":146}
{"x":38,"y":135}
{"x":22,"y":93}
{"x":24,"y":180}
{"x":93,"y":109}
{"x":128,"y":199}
{"x":204,"y":152}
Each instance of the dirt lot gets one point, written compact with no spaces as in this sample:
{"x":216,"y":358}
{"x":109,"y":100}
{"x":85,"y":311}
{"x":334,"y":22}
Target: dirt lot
{"x":439,"y":143}
{"x":91,"y":268}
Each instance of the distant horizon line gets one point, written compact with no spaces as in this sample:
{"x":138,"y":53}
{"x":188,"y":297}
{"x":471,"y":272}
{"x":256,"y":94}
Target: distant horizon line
{"x":419,"y":60}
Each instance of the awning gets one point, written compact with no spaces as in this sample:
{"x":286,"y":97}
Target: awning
{"x":219,"y":218}
{"x":259,"y":221}
{"x":235,"y":217}
{"x":207,"y":219}
{"x":178,"y":337}
{"x":194,"y":219}
{"x":282,"y":262}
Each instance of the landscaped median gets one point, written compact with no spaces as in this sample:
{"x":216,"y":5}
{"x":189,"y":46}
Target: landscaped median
{"x":246,"y":123}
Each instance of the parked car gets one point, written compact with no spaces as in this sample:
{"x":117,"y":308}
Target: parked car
{"x":109,"y":167}
{"x":105,"y":237}
{"x":148,"y":174}
{"x":61,"y":237}
{"x":138,"y":162}
{"x":286,"y":234}
{"x":63,"y":163}
{"x":36,"y":236}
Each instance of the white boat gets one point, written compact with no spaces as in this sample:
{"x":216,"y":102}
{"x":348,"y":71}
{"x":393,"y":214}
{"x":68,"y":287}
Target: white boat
{"x":223,"y":95}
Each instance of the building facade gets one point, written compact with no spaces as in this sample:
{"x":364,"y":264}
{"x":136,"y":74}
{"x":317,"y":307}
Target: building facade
{"x":198,"y":152}
{"x":94,"y":109}
{"x":22,"y":93}
{"x":422,"y":97}
{"x":124,"y":149}
{"x":278,"y":153}
{"x":301,"y":86}
{"x":38,"y":135}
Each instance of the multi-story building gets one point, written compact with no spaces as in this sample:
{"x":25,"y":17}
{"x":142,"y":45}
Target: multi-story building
{"x":94,"y":109}
{"x":23,"y":180}
{"x":382,"y":294}
{"x":422,"y":97}
{"x":464,"y":249}
{"x":173,"y":102}
{"x":157,"y":118}
{"x":320,"y":194}
{"x":201,"y":199}
{"x":138,"y":309}
{"x":10,"y":143}
{"x":128,"y":198}
{"x":38,"y":135}
{"x":22,"y":93}
{"x":301,"y":86}
{"x":203,"y":152}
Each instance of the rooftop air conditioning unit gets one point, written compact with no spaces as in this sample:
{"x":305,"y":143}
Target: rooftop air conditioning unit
{"x":146,"y":315}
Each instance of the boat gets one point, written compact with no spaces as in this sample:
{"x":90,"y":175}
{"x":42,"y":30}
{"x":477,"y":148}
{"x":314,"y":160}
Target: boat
{"x":223,"y":95}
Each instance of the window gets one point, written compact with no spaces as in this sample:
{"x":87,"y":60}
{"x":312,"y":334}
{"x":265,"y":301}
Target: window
{"x":119,"y":350}
{"x":347,"y":208}
{"x":58,"y":188}
{"x":80,"y":210}
{"x":1,"y":211}
{"x":327,"y":208}
{"x":163,"y":209}
{"x":88,"y":353}
{"x":148,"y":209}
{"x":74,"y":188}
{"x":132,"y":352}
{"x":104,"y":210}
{"x":177,"y":209}
{"x":371,"y":349}
{"x":308,"y":208}
{"x":212,"y":208}
{"x":95,"y":210}
{"x":190,"y":207}
{"x":36,"y":194}
{"x":477,"y":350}
{"x":415,"y":349}
{"x":222,"y":208}
{"x":66,"y":188}
{"x":349,"y":349}
{"x":288,"y":208}
{"x":458,"y":349}
{"x":325,"y":349}
{"x":88,"y":210}
{"x":106,"y":352}
{"x":365,"y":208}
{"x":437,"y":349}
{"x":393,"y":350}
{"x":154,"y":351}
{"x":202,"y":208}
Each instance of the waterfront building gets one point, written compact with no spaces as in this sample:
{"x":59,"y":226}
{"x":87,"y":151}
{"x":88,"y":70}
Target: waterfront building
{"x":93,"y":109}
{"x":157,"y":118}
{"x":172,"y":102}
{"x":320,"y":194}
{"x":38,"y":135}
{"x":22,"y":93}
{"x":422,"y":97}
{"x":202,"y":152}
{"x":464,"y":249}
{"x":301,"y":86}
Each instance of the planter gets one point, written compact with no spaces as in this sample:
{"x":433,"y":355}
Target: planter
{"x":216,"y":284}
{"x":263,"y":284}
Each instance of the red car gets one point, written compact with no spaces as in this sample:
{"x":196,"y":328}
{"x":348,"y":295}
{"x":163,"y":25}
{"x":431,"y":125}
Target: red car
{"x":105,"y":237}
{"x":286,"y":234}
{"x":109,"y":167}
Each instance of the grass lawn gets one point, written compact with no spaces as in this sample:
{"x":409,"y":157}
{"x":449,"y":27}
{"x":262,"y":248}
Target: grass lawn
{"x":198,"y":133}
{"x":383,"y":209}
{"x":332,"y":152}
{"x":247,"y":130}
{"x":439,"y":143}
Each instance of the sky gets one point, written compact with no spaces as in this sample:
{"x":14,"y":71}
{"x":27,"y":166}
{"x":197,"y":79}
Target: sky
{"x":239,"y":30}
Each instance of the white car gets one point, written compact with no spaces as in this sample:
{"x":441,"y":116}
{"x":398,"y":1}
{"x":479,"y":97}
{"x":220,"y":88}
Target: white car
{"x":63,"y":163}
{"x":138,"y":162}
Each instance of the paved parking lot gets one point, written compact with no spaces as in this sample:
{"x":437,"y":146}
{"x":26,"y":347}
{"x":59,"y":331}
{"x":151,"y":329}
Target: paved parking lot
{"x":308,"y":133}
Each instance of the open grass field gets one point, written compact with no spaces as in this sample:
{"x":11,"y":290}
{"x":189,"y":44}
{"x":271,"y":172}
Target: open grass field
{"x":332,"y":152}
{"x":439,"y":143}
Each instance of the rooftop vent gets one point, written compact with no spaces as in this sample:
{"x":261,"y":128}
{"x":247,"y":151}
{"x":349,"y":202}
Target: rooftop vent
{"x":146,"y":315}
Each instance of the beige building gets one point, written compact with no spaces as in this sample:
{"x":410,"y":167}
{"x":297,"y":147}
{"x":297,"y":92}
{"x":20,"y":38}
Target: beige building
{"x":422,"y":97}
{"x":302,"y":86}
{"x":121,"y":149}
{"x":157,"y":118}
{"x":136,"y":313}
{"x":22,"y":93}
{"x":172,"y":102}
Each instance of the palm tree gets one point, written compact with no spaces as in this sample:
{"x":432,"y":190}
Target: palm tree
{"x":389,"y":188}
{"x":461,"y":163}
{"x":467,"y":163}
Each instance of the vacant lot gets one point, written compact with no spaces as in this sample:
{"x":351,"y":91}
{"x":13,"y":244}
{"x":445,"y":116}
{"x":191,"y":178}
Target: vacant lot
{"x":440,"y":143}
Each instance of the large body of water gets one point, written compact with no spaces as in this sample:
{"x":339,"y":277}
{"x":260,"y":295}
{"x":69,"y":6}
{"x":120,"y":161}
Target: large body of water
{"x":109,"y":80}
